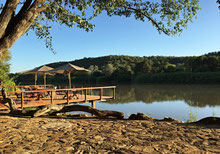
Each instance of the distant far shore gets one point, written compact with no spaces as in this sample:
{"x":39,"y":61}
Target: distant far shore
{"x":158,"y":78}
{"x":204,"y":69}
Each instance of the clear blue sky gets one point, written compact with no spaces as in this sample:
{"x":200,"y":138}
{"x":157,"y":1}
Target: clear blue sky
{"x":120,"y":36}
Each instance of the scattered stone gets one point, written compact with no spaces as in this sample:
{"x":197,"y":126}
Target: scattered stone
{"x":139,"y":116}
{"x":171,"y":120}
{"x":56,"y":125}
{"x":68,"y":149}
{"x":98,"y":137}
{"x":76,"y":142}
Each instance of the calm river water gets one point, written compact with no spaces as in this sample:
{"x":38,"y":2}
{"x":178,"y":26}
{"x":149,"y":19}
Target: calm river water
{"x":158,"y":101}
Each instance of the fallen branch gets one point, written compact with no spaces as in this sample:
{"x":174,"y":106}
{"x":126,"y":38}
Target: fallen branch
{"x":63,"y":109}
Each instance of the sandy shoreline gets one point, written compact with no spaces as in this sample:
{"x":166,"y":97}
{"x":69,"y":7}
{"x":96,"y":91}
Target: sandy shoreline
{"x":90,"y":135}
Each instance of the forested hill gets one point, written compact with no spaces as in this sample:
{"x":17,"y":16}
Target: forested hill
{"x":213,"y":54}
{"x":102,"y":61}
{"x":159,"y":64}
{"x":154,"y":69}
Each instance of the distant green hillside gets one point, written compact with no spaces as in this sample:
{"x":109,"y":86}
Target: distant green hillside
{"x":213,"y":54}
{"x":131,"y":61}
{"x":102,"y":61}
{"x":154,"y":69}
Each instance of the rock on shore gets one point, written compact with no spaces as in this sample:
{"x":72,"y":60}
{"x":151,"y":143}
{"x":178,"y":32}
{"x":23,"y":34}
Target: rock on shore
{"x":90,"y":135}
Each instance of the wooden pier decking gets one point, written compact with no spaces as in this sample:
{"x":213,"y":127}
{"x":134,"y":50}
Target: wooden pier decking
{"x":42,"y":97}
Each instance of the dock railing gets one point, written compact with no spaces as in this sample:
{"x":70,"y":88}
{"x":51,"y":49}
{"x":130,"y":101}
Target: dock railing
{"x":41,"y":97}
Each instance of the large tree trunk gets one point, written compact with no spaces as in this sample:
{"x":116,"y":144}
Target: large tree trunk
{"x":13,"y":26}
{"x":7,"y":14}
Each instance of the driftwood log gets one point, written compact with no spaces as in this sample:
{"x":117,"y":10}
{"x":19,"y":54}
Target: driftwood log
{"x":57,"y":108}
{"x":63,"y":109}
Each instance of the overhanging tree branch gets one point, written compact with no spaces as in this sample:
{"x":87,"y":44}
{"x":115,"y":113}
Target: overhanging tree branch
{"x":7,"y":14}
{"x":73,"y":13}
{"x":149,"y":18}
{"x":24,"y":8}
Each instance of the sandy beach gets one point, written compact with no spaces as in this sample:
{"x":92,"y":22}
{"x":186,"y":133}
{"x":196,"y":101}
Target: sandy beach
{"x":91,"y":135}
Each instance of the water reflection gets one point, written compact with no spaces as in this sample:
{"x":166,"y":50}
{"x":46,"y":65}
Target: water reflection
{"x":158,"y":101}
{"x":194,"y":95}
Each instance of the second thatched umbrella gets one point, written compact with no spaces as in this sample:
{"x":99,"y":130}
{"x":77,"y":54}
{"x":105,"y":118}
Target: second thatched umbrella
{"x":39,"y":70}
{"x":68,"y":69}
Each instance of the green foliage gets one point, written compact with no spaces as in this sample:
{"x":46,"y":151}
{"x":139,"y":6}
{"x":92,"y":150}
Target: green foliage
{"x":180,"y":77}
{"x":117,"y":69}
{"x":144,"y":67}
{"x":167,"y":16}
{"x":103,"y":79}
{"x":108,"y":69}
{"x":218,"y":1}
{"x":213,"y":54}
{"x":93,"y":68}
{"x":30,"y":108}
{"x":214,"y":114}
{"x":5,"y":69}
{"x":192,"y":117}
{"x":206,"y":63}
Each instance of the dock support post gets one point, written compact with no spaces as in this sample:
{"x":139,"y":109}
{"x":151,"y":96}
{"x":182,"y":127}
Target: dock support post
{"x":113,"y":93}
{"x":93,"y":104}
{"x":22,"y":100}
{"x":101,"y":93}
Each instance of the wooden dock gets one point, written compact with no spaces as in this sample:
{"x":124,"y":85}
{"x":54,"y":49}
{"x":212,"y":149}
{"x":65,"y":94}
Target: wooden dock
{"x":42,"y":97}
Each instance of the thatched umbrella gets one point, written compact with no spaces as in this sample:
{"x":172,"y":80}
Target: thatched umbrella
{"x":68,"y":69}
{"x":39,"y":70}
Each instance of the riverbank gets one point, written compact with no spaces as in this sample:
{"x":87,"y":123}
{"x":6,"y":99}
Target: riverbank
{"x":83,"y":135}
{"x":204,"y":78}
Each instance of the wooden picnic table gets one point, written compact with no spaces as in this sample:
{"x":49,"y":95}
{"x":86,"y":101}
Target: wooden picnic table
{"x":71,"y":94}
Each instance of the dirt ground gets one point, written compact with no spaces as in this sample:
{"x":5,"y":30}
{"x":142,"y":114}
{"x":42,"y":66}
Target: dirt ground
{"x":90,"y":135}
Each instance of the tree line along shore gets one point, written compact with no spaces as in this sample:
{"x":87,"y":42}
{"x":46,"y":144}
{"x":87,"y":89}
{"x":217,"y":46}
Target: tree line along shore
{"x":204,"y":69}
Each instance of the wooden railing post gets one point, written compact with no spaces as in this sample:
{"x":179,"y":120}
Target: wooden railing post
{"x":22,"y":100}
{"x":68,"y":96}
{"x":81,"y":92}
{"x":51,"y":100}
{"x":85,"y":95}
{"x":114,"y":93}
{"x":101,"y":93}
